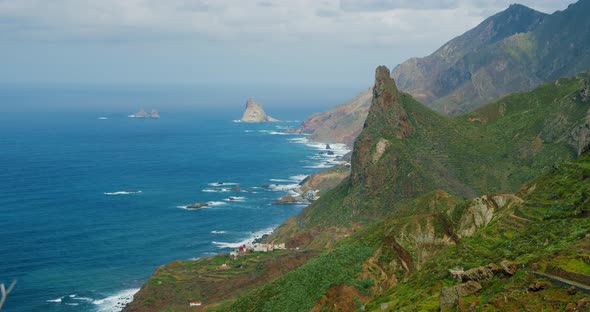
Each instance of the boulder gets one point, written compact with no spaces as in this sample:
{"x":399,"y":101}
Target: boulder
{"x":509,"y":267}
{"x":572,"y":290}
{"x":480,"y":273}
{"x":449,"y":296}
{"x":537,"y":286}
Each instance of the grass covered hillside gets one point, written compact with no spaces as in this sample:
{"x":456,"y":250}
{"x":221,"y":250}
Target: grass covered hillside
{"x":406,"y":150}
{"x":528,"y":251}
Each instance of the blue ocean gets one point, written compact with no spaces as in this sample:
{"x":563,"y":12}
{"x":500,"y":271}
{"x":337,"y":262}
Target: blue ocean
{"x":92,"y":202}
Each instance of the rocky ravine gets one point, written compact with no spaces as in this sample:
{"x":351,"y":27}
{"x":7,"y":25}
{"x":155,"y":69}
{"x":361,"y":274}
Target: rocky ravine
{"x":255,"y":113}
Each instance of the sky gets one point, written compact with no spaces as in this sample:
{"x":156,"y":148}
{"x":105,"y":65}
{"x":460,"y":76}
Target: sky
{"x":217,"y":42}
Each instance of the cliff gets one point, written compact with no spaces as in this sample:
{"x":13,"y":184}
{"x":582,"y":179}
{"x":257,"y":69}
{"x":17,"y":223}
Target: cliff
{"x":255,"y":113}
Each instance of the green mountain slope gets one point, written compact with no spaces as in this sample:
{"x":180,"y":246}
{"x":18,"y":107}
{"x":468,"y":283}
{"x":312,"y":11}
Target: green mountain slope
{"x":406,"y":150}
{"x":513,"y":249}
{"x":514,"y":50}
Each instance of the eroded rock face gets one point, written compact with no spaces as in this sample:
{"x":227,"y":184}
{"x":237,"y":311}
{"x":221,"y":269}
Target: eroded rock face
{"x":482,"y":212}
{"x":387,"y":118}
{"x":255,"y":113}
{"x":481,"y":273}
{"x":509,"y":267}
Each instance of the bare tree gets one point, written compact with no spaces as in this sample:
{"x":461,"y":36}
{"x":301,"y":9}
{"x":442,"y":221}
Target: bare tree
{"x":5,"y":292}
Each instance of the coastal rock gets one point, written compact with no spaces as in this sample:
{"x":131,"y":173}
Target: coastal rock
{"x":255,"y":113}
{"x":287,"y":199}
{"x":197,"y":205}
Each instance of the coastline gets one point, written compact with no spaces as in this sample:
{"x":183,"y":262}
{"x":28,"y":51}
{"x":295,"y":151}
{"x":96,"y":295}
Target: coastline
{"x":328,"y":156}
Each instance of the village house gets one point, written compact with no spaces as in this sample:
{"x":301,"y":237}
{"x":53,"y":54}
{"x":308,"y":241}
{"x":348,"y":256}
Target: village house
{"x":195,"y":304}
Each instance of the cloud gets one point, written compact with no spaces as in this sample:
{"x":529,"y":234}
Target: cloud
{"x":381,"y":5}
{"x":351,"y":21}
{"x":329,"y":34}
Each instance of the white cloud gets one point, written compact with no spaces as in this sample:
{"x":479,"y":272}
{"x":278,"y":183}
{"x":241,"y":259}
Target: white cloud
{"x":344,"y":21}
{"x":183,"y":40}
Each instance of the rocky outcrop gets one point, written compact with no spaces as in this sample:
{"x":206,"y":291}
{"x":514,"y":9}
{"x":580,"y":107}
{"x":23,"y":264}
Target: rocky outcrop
{"x":509,"y":267}
{"x":287,"y":199}
{"x":197,"y":205}
{"x":482,"y":211}
{"x":449,"y":296}
{"x":387,"y":117}
{"x":255,"y":113}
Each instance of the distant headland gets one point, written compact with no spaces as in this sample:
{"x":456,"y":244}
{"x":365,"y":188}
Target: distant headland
{"x":143,"y":114}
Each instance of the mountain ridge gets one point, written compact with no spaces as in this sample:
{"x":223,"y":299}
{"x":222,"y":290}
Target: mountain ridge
{"x":514,"y":50}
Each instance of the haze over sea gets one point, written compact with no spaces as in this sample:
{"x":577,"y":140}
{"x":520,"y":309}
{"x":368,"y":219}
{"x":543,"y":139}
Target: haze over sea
{"x":90,"y":207}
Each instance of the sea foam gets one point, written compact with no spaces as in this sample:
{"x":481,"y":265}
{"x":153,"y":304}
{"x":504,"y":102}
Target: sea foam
{"x":122,"y":192}
{"x":116,"y":302}
{"x":245,"y":241}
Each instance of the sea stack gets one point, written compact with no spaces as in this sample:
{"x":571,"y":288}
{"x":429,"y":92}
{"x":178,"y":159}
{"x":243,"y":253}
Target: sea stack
{"x":154,"y":114}
{"x":255,"y":113}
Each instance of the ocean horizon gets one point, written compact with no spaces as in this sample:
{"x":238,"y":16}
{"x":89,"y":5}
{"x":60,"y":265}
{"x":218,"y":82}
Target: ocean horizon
{"x":92,"y":202}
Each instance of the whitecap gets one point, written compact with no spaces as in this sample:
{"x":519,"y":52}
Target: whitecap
{"x":82,"y":298}
{"x":319,"y":166}
{"x":235,"y":199}
{"x":116,"y":302}
{"x":280,"y":180}
{"x":122,"y":192}
{"x":272,"y":132}
{"x":298,"y":178}
{"x":58,"y":300}
{"x":72,"y":303}
{"x":218,"y":232}
{"x":299,"y":140}
{"x":283,"y":187}
{"x":216,"y":190}
{"x":246,"y":241}
{"x":221,"y":183}
{"x":216,"y":203}
{"x":236,"y":120}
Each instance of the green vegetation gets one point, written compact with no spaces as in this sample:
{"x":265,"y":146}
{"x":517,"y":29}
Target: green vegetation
{"x":301,"y":289}
{"x":407,"y":256}
{"x":174,"y":285}
{"x":494,"y":149}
